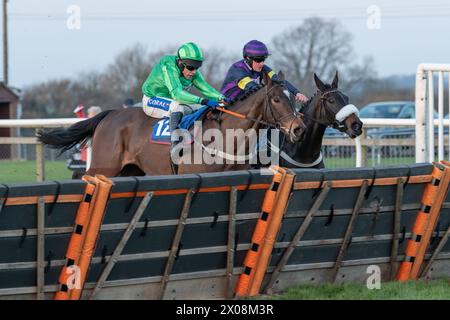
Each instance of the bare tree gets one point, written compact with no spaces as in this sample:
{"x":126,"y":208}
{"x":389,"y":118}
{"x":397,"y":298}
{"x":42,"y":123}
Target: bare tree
{"x":215,"y":67}
{"x":319,"y":46}
{"x":123,"y":78}
{"x":54,"y":97}
{"x":129,"y":70}
{"x":315,"y":46}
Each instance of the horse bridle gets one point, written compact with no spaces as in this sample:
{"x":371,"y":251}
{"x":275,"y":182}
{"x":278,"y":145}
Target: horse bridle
{"x":267,"y":105}
{"x":276,"y":124}
{"x":338,"y":125}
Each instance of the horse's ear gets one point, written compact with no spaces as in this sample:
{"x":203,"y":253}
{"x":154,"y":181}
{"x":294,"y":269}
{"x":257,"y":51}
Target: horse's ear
{"x":320,"y":85}
{"x":266,"y":79}
{"x":280,"y":75}
{"x":334,"y":85}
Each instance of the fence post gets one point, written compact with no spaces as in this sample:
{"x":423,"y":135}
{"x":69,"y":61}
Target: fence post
{"x":40,"y":169}
{"x":420,"y":114}
{"x":40,"y":228}
{"x":441,"y":116}
{"x":361,"y":149}
{"x":430,"y":117}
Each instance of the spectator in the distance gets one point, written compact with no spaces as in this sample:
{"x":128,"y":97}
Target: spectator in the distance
{"x":127,"y":103}
{"x":93,"y":111}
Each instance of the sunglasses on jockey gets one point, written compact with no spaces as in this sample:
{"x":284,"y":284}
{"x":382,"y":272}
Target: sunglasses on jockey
{"x":259,"y":59}
{"x":190,"y":68}
{"x":191,"y":65}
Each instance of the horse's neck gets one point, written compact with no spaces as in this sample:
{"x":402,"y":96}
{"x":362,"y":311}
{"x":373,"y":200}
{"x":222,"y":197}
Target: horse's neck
{"x":252,"y":107}
{"x":309,"y":149}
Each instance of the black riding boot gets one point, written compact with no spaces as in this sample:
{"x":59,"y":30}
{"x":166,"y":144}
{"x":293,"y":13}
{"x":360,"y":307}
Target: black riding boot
{"x":175,"y":118}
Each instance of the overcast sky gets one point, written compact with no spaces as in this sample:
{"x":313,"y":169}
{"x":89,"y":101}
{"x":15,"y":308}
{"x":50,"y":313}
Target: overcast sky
{"x":43,"y":47}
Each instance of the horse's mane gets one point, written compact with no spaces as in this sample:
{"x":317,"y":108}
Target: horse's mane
{"x":248,"y":94}
{"x":307,"y":103}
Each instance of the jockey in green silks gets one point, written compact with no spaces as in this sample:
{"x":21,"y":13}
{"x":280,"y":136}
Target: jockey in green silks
{"x":166,"y":90}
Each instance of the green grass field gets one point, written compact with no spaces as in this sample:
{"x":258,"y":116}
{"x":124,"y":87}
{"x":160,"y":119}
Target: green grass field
{"x":350,"y":162}
{"x":411,"y":290}
{"x":25,"y":171}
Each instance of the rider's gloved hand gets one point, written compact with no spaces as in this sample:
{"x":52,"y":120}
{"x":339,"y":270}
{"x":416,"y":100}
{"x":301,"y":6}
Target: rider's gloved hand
{"x":226,"y":101}
{"x":253,"y":87}
{"x":301,"y":97}
{"x":210,"y":103}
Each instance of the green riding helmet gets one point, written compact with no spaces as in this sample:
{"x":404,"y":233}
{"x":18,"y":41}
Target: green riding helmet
{"x":191,"y":55}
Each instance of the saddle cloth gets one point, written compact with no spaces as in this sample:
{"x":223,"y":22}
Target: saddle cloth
{"x":161,"y":133}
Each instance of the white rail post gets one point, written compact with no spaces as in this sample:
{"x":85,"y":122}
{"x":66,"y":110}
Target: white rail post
{"x":441,"y":116}
{"x":425,"y":122}
{"x":40,"y":163}
{"x":358,"y":152}
{"x":430,"y":117}
{"x":420,"y":115}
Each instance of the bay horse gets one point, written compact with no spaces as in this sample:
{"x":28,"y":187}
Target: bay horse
{"x":329,"y":107}
{"x":120,"y":138}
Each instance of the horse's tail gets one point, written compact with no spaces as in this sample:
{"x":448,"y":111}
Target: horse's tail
{"x":67,"y":138}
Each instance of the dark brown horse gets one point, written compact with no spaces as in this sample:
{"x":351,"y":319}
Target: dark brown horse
{"x":120,"y":138}
{"x":329,"y":107}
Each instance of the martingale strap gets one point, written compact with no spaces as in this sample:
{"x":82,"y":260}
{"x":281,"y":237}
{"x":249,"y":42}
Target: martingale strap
{"x":286,"y":157}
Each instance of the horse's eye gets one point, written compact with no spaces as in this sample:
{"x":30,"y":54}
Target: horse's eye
{"x":276,"y":99}
{"x":331,"y":100}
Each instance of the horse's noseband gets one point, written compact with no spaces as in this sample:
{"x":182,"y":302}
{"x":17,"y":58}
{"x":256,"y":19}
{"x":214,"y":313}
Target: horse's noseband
{"x":339,"y":118}
{"x":277,"y":124}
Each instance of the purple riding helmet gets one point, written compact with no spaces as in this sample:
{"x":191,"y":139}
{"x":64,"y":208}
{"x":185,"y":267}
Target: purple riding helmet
{"x":254,"y":49}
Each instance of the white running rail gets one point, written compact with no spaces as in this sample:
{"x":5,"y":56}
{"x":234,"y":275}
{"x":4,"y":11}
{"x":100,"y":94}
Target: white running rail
{"x":425,"y":106}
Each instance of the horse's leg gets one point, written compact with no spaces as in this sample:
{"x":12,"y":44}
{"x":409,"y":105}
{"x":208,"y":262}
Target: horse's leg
{"x":131,"y":170}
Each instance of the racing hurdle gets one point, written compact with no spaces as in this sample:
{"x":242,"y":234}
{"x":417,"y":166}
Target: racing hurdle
{"x":189,"y":236}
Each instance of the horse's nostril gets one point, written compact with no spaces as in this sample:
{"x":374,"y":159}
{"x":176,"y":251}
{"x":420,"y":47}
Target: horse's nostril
{"x":298,"y":131}
{"x":356,"y":126}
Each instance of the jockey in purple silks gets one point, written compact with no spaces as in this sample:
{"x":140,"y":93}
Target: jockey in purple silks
{"x":246,"y":74}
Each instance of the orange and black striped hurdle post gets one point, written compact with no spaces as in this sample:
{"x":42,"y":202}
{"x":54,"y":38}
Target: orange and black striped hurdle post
{"x":243,"y":284}
{"x":76,"y":240}
{"x":432,"y":199}
{"x":104,"y":186}
{"x":270,"y":237}
{"x":432,"y":222}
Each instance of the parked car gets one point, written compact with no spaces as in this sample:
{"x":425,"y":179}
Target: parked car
{"x":393,"y":110}
{"x":389,"y":109}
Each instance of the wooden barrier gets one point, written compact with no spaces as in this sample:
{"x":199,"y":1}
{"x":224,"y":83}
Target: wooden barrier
{"x":432,"y":200}
{"x":176,"y":246}
{"x":76,"y":241}
{"x":96,"y":214}
{"x":259,"y":234}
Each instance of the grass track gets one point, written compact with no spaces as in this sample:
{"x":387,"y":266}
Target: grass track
{"x":438,"y":289}
{"x":25,"y":171}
